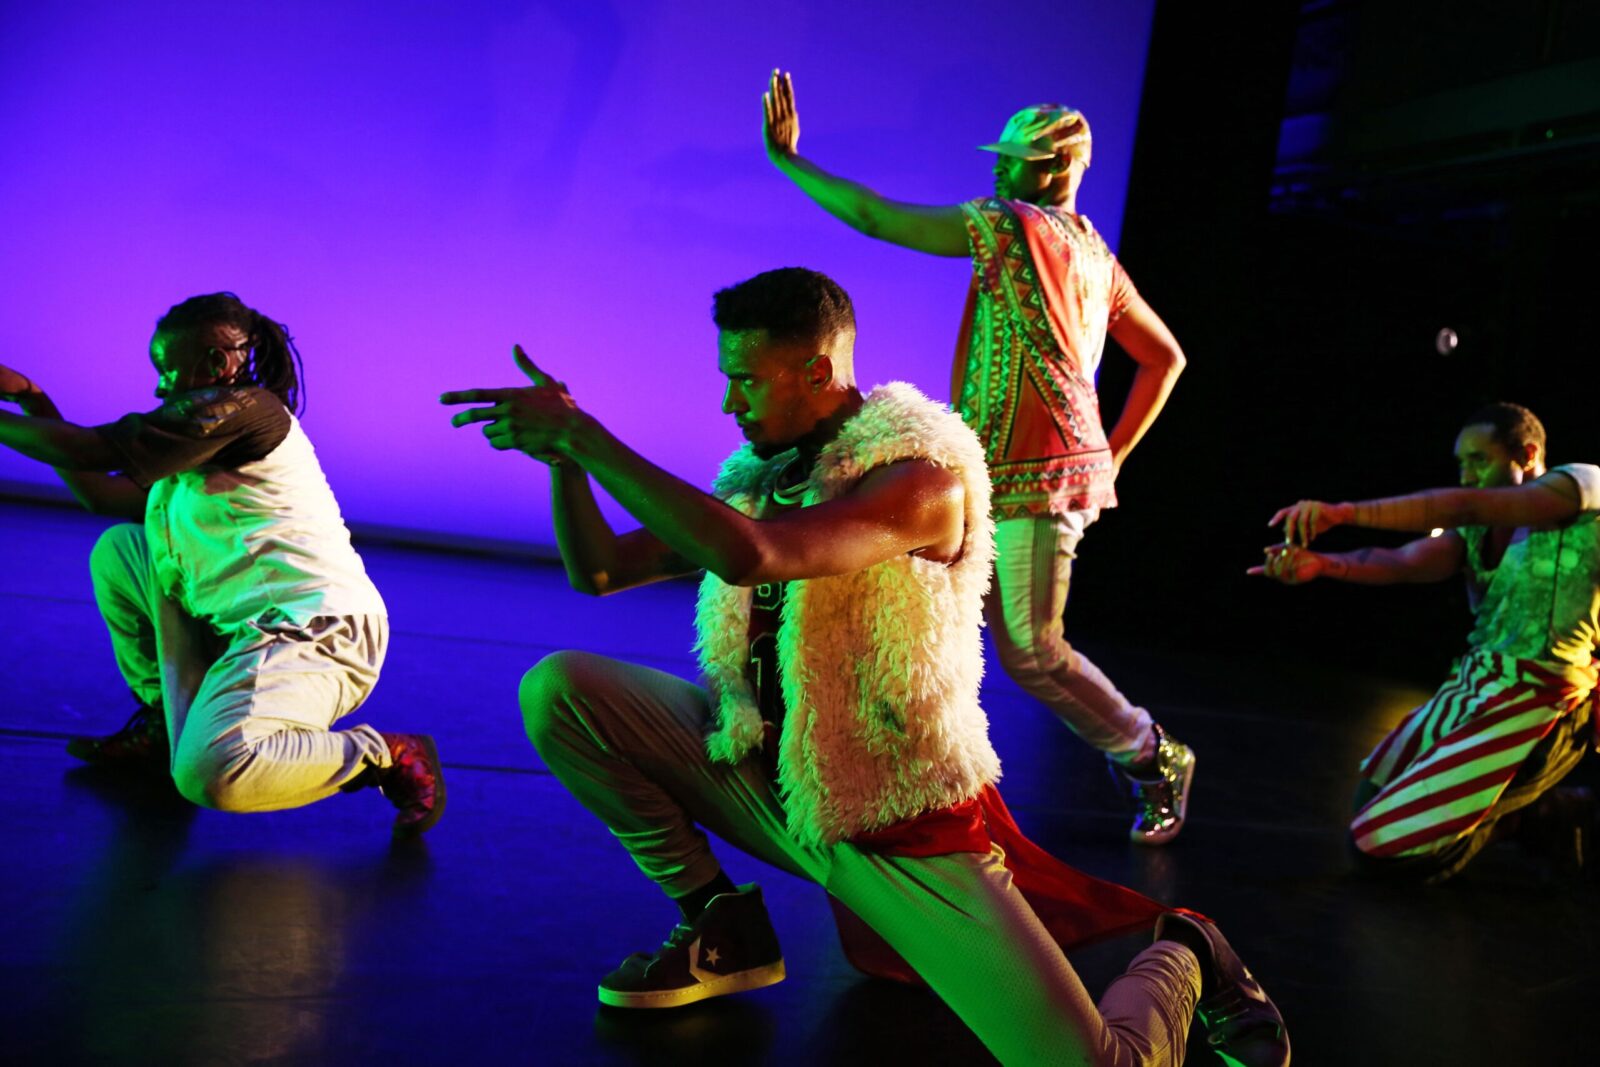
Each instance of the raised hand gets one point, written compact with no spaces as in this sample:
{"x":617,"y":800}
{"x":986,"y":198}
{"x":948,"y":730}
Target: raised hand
{"x":780,"y":127}
{"x":1291,"y":565}
{"x":1309,"y":519}
{"x":538,"y":419}
{"x":15,"y":386}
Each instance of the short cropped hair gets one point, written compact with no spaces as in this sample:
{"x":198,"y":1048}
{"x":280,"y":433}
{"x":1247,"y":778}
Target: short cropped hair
{"x":1515,"y":427}
{"x":790,"y":303}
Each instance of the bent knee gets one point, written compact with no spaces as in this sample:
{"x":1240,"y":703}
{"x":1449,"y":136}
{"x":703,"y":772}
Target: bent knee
{"x":117,"y":549}
{"x":547,"y":688}
{"x":212,"y":783}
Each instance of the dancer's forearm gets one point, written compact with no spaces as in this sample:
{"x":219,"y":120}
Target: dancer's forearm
{"x":599,"y":561}
{"x":1531,"y":504}
{"x":1417,"y":562}
{"x":102,"y":494}
{"x":937,"y":230}
{"x":1140,"y":333}
{"x":56,"y":442}
{"x":1148,"y":394}
{"x":699,"y":530}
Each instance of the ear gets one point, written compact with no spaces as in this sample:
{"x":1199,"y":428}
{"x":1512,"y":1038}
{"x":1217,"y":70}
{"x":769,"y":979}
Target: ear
{"x":819,"y":371}
{"x":216,"y":363}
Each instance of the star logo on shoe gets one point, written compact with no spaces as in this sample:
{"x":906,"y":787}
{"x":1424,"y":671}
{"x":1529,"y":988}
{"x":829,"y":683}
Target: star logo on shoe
{"x":712,"y":957}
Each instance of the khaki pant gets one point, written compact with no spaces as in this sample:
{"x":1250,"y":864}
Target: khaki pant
{"x":1032,"y":572}
{"x":249,"y":714}
{"x":628,"y":742}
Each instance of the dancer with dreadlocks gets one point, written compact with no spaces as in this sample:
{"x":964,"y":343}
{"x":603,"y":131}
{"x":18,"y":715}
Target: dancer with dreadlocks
{"x":240,"y":615}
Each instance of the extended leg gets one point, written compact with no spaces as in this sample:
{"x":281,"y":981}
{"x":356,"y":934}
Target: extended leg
{"x":969,"y":933}
{"x":1033,"y":570}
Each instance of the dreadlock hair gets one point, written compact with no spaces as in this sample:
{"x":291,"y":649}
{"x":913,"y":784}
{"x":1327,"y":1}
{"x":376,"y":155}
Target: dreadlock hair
{"x":790,"y":303}
{"x":273,"y":361}
{"x":1515,"y":427}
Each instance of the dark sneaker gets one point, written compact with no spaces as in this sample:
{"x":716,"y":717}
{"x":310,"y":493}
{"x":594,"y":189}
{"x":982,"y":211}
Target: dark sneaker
{"x":1243,"y":1026}
{"x":728,"y":949}
{"x":414,"y":782}
{"x":141,"y":744}
{"x":1160,"y":802}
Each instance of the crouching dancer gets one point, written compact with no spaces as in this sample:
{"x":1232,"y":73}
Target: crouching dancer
{"x":240,"y":615}
{"x":839,"y":735}
{"x":1514,"y":717}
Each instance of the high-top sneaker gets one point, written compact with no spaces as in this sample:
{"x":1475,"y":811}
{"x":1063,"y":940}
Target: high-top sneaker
{"x":728,"y":949}
{"x":1243,"y":1026}
{"x":1161,"y":801}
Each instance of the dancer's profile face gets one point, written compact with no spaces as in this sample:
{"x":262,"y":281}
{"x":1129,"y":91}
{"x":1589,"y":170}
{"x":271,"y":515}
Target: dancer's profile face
{"x":1024,"y":179}
{"x":195,"y":359}
{"x":768,"y":392}
{"x":1484,"y":462}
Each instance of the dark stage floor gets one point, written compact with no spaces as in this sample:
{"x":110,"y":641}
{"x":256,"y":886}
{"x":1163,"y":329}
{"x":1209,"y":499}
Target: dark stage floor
{"x":136,"y":929}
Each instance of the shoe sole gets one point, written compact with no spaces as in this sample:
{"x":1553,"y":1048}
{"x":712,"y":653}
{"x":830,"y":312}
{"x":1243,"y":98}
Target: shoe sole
{"x":1183,"y":812}
{"x":738,"y":982}
{"x":427,"y":823}
{"x":85,"y":749}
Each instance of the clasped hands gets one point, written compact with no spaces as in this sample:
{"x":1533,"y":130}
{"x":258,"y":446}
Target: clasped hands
{"x":538,"y":419}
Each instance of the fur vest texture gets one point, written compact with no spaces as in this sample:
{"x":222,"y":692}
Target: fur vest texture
{"x":880,"y":668}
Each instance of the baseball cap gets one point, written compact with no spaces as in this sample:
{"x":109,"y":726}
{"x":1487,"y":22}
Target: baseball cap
{"x":1043,"y":132}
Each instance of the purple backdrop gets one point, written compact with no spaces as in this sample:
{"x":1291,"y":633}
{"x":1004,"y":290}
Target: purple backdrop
{"x":412,"y":187}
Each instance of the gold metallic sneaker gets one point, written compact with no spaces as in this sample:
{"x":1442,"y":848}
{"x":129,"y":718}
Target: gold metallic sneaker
{"x":1160,"y":803}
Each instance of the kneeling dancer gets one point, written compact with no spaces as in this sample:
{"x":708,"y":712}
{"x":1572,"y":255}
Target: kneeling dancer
{"x":839,"y":735}
{"x":1514,"y":717}
{"x":240,"y":615}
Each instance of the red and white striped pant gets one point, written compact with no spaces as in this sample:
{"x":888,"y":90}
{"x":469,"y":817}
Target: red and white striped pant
{"x":1441,"y":772}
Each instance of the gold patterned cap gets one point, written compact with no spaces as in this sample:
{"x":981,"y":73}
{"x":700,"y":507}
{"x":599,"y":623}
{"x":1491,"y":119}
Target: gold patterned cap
{"x":1044,"y":132}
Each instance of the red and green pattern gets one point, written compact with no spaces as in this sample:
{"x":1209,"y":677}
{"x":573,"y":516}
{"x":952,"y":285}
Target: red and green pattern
{"x":1025,"y":396}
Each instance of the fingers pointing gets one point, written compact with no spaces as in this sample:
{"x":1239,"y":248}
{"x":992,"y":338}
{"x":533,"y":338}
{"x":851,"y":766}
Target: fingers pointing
{"x":471,"y":415}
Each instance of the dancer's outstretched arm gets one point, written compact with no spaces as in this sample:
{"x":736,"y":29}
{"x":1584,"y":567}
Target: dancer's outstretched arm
{"x":1552,"y":498}
{"x":935,"y":229}
{"x":897,"y":509}
{"x":78,"y":454}
{"x":1427,"y":559}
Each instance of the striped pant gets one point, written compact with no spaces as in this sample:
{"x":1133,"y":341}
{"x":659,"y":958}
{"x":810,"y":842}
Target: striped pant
{"x":1497,"y":734}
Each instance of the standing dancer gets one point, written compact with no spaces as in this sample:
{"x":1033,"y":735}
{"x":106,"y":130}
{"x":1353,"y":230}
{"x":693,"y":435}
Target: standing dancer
{"x":839,"y":736}
{"x":1515,"y":715}
{"x":240,"y":615}
{"x":1045,"y":292}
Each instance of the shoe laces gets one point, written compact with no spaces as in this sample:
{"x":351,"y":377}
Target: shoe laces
{"x":681,"y":935}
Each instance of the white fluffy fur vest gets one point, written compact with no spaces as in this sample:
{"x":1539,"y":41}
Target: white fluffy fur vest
{"x":880,"y":668}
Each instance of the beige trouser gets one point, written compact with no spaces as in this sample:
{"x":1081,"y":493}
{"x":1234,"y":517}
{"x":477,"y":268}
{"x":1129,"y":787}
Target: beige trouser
{"x":248,"y":713}
{"x":1032,"y":571}
{"x":628,"y":742}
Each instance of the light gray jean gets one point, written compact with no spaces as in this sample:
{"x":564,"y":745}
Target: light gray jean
{"x":1032,"y":571}
{"x":249,"y":715}
{"x":628,"y":742}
